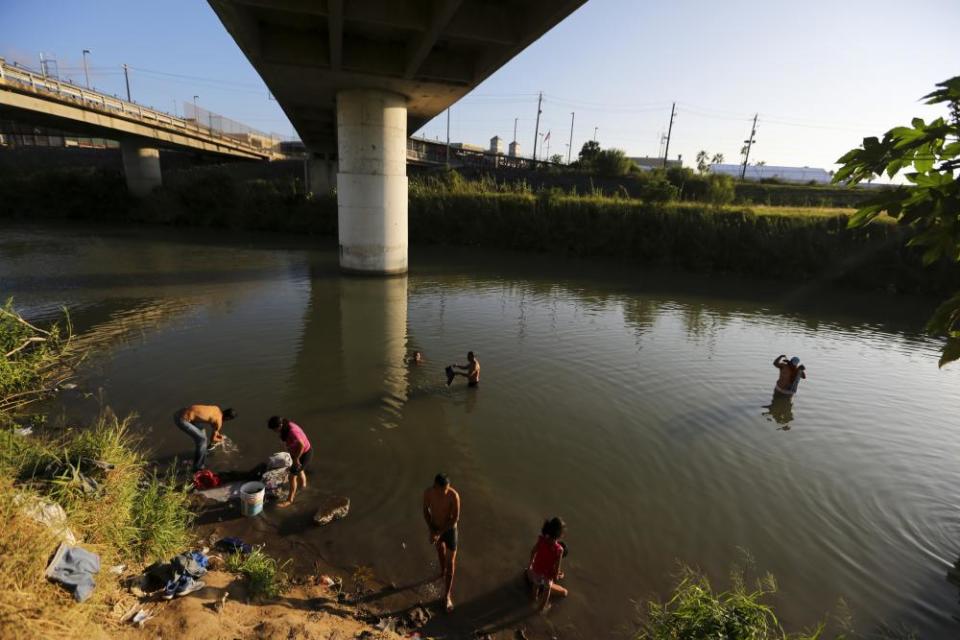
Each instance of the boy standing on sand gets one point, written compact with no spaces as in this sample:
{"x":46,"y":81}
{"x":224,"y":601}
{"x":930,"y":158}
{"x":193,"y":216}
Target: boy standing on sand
{"x":441,"y":510}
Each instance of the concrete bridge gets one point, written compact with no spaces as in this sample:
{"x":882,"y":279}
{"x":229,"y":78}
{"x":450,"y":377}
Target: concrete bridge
{"x":46,"y":101}
{"x":353,"y":76}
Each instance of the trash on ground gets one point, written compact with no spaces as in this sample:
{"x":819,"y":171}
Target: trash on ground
{"x":327,"y":581}
{"x":46,"y":513}
{"x":74,"y":568}
{"x":118,"y":569}
{"x":141,"y":617}
{"x":68,"y":386}
{"x":23,"y":431}
{"x":387,"y":624}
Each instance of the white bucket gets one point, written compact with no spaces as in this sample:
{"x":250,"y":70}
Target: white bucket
{"x":251,"y":498}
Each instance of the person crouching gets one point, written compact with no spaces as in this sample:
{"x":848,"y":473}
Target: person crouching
{"x":300,"y":451}
{"x":543,"y":572}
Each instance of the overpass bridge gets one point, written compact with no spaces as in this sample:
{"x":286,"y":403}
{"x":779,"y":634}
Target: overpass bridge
{"x":353,"y":76}
{"x":141,"y":131}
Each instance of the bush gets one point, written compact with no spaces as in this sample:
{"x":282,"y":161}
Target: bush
{"x":266,"y":578}
{"x":612,"y":162}
{"x":720,"y":189}
{"x":696,"y":612}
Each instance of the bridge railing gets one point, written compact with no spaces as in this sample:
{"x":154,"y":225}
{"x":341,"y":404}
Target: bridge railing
{"x":110,"y":104}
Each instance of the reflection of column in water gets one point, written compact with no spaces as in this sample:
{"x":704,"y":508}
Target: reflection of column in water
{"x":373,"y":342}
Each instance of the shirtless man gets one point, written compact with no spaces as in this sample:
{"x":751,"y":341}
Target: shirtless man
{"x":791,"y":372}
{"x":441,"y":510}
{"x":472,"y":369}
{"x":210,"y":414}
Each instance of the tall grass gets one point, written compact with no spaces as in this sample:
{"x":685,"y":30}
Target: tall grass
{"x":696,"y":611}
{"x":266,"y":577}
{"x":112,"y":506}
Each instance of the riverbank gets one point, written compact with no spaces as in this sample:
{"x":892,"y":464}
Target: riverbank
{"x":793,"y":244}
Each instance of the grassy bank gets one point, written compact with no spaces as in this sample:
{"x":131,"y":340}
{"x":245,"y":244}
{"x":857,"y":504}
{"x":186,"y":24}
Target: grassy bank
{"x":794,"y":244}
{"x":96,"y":475}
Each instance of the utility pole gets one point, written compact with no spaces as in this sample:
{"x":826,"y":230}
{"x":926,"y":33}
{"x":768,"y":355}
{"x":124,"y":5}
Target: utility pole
{"x":536,"y":128}
{"x":126,"y":76}
{"x":749,"y":142}
{"x":570,"y":146}
{"x":86,"y":72}
{"x":666,"y":150}
{"x":515,"y":120}
{"x":448,"y":137}
{"x":595,"y":133}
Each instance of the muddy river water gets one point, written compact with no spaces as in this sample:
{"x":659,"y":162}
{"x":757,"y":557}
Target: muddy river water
{"x":634,"y":404}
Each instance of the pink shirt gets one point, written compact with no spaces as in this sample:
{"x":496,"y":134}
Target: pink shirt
{"x":295,"y":436}
{"x":545,"y":559}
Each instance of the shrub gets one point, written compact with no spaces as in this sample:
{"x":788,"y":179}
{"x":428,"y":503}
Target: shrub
{"x":720,"y":189}
{"x":266,"y":577}
{"x":612,"y":162}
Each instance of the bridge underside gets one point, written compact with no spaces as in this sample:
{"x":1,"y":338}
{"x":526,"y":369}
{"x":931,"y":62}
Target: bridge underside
{"x":354,"y":76}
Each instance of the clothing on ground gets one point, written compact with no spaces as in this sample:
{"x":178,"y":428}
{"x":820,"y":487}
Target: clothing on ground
{"x":74,"y":568}
{"x":233,"y":545}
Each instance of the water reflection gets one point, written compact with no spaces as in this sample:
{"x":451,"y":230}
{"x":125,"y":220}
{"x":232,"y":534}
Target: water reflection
{"x":780,"y":410}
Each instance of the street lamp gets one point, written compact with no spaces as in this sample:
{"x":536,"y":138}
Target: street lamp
{"x":86,"y":72}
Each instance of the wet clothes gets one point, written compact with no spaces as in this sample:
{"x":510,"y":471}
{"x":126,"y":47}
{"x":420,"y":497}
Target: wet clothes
{"x":304,"y":461}
{"x":74,"y":568}
{"x":199,"y":437}
{"x":450,"y":537}
{"x":546,"y":557}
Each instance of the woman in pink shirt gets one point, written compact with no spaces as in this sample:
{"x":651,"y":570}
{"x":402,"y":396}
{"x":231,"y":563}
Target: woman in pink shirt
{"x":543,"y":571}
{"x":300,"y":450}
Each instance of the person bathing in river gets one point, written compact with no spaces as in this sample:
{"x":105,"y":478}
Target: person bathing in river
{"x":470,"y":371}
{"x":544,"y":572}
{"x":300,"y":450}
{"x":186,"y":420}
{"x":791,"y":372}
{"x":415,"y":359}
{"x":441,"y":510}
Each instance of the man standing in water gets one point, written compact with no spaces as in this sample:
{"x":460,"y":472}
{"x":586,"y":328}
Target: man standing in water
{"x":472,"y":369}
{"x":441,"y":510}
{"x":200,"y":413}
{"x":791,"y":372}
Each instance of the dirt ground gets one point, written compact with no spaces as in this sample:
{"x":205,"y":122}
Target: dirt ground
{"x":303,"y":612}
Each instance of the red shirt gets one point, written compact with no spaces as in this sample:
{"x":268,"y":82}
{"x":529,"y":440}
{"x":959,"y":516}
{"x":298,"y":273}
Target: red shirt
{"x":546,"y":556}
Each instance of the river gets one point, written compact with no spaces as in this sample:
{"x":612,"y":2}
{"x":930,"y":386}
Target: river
{"x":634,"y":404}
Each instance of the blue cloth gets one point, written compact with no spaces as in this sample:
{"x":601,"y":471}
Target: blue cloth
{"x":74,"y":568}
{"x":187,"y":567}
{"x":234,"y":545}
{"x":199,"y":436}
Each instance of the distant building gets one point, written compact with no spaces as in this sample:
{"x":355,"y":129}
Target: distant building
{"x":496,"y":145}
{"x":647,"y":162}
{"x":514,"y":149}
{"x":466,"y":146}
{"x":799,"y":175}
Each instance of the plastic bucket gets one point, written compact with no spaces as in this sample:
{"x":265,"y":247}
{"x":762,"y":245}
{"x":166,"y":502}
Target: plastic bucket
{"x":251,"y":498}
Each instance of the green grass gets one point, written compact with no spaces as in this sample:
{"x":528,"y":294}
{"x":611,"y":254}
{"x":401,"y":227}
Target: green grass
{"x":697,"y":612}
{"x":266,"y":577}
{"x":130,"y":517}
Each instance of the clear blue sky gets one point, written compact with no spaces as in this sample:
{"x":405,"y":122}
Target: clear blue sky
{"x":821,"y":74}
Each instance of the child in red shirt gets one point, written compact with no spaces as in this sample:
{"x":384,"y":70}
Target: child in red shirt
{"x":544,"y":569}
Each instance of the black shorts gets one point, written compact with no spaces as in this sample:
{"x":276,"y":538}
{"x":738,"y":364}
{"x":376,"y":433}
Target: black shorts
{"x":449,"y":538}
{"x":473,"y":383}
{"x":304,"y":462}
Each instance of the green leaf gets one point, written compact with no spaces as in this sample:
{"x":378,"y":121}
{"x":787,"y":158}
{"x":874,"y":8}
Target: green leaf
{"x":946,"y":318}
{"x":951,"y":352}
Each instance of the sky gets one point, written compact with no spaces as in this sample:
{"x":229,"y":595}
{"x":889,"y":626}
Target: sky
{"x":820,"y":74}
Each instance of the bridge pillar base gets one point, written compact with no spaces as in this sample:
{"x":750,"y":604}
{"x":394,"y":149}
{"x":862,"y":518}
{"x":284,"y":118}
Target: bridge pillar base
{"x":321,"y":174}
{"x":372,"y":181}
{"x":141,"y":165}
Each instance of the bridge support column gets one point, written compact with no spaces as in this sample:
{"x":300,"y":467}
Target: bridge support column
{"x":321,"y":173}
{"x":372,"y":181}
{"x":141,"y":165}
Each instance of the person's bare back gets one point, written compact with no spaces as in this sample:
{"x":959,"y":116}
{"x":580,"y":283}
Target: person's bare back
{"x":441,"y":508}
{"x":207,"y":413}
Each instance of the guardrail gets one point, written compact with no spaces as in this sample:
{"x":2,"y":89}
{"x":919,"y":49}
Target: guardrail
{"x":111,"y":105}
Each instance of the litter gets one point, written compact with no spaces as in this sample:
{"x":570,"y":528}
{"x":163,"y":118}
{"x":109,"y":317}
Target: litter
{"x":68,"y":386}
{"x":47,"y":513}
{"x":74,"y":568}
{"x":327,"y":581}
{"x":387,"y":624}
{"x":23,"y":431}
{"x":118,"y":569}
{"x":141,"y":617}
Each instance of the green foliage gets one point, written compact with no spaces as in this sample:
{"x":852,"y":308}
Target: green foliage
{"x":720,"y":189}
{"x":612,"y":162}
{"x":28,"y":357}
{"x":161,"y":517}
{"x":589,"y":151}
{"x":696,"y":611}
{"x":556,"y":158}
{"x":929,"y":153}
{"x":266,"y":577}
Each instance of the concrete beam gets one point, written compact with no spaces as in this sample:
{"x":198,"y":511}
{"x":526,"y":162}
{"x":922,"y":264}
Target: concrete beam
{"x":443,"y":11}
{"x":335,"y":30}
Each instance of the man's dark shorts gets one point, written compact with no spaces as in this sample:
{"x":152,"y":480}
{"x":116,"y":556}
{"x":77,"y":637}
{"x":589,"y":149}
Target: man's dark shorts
{"x":449,"y":538}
